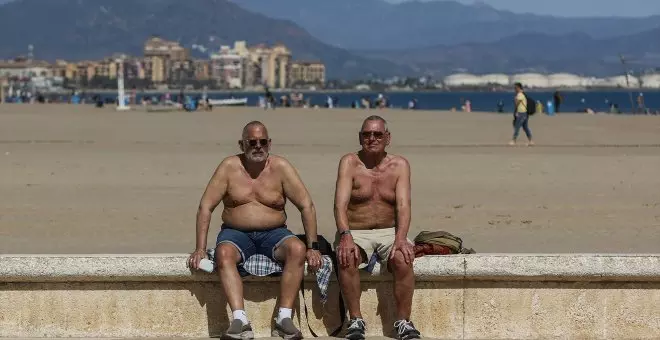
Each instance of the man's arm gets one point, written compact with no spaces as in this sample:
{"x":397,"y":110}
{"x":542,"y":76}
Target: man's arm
{"x":213,"y":195}
{"x":295,"y":190}
{"x":403,"y":210}
{"x":343,"y":188}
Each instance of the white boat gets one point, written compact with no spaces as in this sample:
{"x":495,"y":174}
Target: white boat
{"x":228,"y":102}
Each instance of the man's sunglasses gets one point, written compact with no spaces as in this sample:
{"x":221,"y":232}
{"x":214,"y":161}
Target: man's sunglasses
{"x":254,"y":142}
{"x":376,"y":134}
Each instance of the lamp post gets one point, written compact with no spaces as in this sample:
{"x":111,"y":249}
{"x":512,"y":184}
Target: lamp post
{"x":121,"y":94}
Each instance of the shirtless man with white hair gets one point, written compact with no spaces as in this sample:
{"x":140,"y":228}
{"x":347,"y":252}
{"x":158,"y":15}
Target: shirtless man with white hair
{"x":253,"y":187}
{"x":372,"y":213}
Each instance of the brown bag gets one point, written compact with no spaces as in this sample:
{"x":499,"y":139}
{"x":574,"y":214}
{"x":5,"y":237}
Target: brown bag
{"x":442,"y":239}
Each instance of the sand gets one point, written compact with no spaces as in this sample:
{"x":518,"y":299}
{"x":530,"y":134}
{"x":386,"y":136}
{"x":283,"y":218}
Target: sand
{"x":77,"y":179}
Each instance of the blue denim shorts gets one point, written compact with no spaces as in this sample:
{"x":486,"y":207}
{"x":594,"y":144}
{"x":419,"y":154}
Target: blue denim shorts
{"x":249,"y":243}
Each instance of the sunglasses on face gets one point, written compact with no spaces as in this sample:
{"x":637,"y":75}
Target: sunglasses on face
{"x":375,"y":134}
{"x":256,"y":142}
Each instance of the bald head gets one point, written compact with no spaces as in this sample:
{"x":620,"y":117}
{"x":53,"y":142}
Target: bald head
{"x":254,"y":125}
{"x":374,"y":118}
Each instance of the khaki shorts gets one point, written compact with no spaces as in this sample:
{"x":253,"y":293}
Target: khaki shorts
{"x":379,"y":241}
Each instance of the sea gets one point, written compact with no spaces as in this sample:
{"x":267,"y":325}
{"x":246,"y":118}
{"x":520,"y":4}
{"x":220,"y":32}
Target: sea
{"x":573,"y":101}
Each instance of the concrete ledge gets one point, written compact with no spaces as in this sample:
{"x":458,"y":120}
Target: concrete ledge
{"x":482,"y":296}
{"x":172,"y":267}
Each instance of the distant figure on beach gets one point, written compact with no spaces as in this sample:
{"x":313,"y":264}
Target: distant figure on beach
{"x":372,"y":213}
{"x":557,"y":100}
{"x":640,"y":103}
{"x":500,"y":106}
{"x":520,"y":116}
{"x":254,"y":187}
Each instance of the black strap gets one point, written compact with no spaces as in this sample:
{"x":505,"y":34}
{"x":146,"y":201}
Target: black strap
{"x":342,"y":307}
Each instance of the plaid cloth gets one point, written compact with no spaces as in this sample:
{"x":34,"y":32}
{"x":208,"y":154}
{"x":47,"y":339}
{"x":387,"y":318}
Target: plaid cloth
{"x":261,"y":265}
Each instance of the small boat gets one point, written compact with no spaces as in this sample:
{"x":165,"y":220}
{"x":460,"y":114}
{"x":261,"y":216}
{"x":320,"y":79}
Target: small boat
{"x":228,"y":102}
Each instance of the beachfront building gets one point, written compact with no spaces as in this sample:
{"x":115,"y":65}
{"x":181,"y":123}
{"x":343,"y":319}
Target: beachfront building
{"x":651,"y":81}
{"x":228,"y":65}
{"x":531,"y":80}
{"x":22,"y":68}
{"x":565,"y":80}
{"x":497,"y":79}
{"x":463,"y":80}
{"x":306,"y":72}
{"x":622,"y":81}
{"x":268,"y":66}
{"x":163,"y":58}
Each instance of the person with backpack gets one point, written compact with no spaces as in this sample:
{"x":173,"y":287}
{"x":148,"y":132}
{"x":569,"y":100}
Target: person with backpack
{"x":524,"y":107}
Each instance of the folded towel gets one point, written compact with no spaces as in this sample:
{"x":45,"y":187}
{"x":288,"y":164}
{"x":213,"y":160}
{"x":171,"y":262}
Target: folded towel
{"x":261,"y":265}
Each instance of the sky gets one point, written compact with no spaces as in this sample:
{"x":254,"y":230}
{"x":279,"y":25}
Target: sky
{"x":573,"y":8}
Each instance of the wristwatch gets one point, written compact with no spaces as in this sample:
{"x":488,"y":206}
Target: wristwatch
{"x":315,"y":246}
{"x":345,"y":232}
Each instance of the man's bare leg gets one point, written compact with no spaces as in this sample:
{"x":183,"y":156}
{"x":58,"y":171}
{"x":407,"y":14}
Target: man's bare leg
{"x":292,"y":252}
{"x":404,"y":285}
{"x":349,"y":280}
{"x":226,"y":257}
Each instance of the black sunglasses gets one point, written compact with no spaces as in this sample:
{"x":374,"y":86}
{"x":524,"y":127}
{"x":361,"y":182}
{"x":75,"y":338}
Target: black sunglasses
{"x":376,"y":134}
{"x":255,"y":142}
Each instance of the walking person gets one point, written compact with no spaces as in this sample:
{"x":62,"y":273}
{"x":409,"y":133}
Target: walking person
{"x":521,"y":115}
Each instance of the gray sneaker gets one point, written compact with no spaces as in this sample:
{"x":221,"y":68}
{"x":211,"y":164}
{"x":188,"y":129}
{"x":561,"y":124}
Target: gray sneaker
{"x":287,"y":330}
{"x":238,"y":331}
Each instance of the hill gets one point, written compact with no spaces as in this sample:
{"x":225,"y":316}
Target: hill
{"x":533,"y":52}
{"x":93,"y":29}
{"x":376,"y":24}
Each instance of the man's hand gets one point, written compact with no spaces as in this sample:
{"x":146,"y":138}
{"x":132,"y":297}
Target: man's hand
{"x":195,"y":257}
{"x":313,"y":260}
{"x":405,"y":247}
{"x":348,"y":253}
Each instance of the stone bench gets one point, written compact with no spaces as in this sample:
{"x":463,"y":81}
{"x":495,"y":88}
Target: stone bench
{"x":494,"y":296}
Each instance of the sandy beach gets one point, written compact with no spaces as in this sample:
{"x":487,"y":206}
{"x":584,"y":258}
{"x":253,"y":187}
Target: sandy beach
{"x":77,"y":179}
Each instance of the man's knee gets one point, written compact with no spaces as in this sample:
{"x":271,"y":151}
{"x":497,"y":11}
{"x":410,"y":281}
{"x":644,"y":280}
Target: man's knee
{"x":398,"y":263}
{"x":226,"y":254}
{"x":295,"y":250}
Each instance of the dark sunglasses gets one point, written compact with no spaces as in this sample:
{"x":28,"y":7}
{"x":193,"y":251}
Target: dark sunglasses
{"x":255,"y":142}
{"x":376,"y":134}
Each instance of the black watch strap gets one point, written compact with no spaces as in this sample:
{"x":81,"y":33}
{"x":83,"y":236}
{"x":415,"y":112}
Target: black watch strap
{"x":315,"y":246}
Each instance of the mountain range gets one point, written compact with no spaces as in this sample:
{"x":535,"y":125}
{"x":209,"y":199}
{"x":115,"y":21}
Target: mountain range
{"x":576,"y":53}
{"x":93,"y":29}
{"x":376,"y":24}
{"x":354,"y":38}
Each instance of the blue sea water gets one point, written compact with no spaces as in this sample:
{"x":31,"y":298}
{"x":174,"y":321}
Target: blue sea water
{"x":480,"y":101}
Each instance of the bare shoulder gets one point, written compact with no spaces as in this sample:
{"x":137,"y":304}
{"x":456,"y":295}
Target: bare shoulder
{"x":399,"y":162}
{"x":228,"y":163}
{"x":349,"y":159}
{"x":279,"y":163}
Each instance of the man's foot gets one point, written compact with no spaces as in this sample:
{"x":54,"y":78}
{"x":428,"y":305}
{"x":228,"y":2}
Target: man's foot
{"x":530,"y":143}
{"x":286,"y":329}
{"x":238,"y":331}
{"x":356,"y":329}
{"x":512,"y":143}
{"x":406,"y":330}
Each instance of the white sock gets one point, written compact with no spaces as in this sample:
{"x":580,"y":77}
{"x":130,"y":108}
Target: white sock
{"x":241,"y":315}
{"x":283,"y":313}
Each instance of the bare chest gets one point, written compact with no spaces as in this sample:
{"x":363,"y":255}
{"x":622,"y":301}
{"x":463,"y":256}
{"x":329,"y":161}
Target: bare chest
{"x":369,"y":185}
{"x":266,"y":190}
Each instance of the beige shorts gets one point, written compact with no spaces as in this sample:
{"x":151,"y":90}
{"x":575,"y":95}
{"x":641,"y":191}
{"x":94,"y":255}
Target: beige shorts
{"x":372,"y":241}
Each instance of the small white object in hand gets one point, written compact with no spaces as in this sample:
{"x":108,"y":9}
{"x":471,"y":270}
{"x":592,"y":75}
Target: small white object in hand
{"x":206,"y":265}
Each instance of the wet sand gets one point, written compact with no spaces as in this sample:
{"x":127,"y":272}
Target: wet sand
{"x":76,"y":179}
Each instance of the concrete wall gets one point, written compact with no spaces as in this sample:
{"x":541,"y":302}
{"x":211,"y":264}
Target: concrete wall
{"x":484,"y":296}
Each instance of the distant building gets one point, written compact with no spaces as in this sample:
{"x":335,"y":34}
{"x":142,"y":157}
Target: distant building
{"x":164,"y":58}
{"x":268,"y":66}
{"x":307,"y":72}
{"x":22,"y":68}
